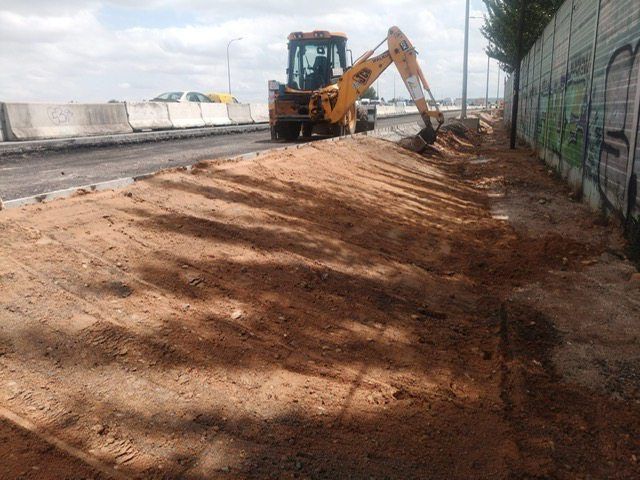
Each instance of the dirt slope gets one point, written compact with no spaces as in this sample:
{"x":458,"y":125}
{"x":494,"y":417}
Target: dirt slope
{"x":348,"y":310}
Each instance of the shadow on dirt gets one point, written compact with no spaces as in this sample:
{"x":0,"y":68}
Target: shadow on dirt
{"x":304,"y":331}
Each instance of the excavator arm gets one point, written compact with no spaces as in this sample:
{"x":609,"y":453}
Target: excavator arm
{"x":336,"y":102}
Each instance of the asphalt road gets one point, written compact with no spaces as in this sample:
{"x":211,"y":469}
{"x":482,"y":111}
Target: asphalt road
{"x":42,"y":172}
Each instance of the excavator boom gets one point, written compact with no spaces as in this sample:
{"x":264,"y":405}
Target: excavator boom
{"x":335,"y":102}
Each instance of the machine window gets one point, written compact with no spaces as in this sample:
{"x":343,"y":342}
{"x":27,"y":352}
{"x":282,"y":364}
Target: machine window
{"x":338,"y":57}
{"x":309,"y":66}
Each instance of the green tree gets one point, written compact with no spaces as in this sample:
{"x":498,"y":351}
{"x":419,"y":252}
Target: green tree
{"x":370,"y":93}
{"x":502,"y":27}
{"x":512,"y":27}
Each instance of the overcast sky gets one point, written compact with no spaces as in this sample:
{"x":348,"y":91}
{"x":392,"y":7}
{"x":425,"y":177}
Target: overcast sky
{"x":96,"y":50}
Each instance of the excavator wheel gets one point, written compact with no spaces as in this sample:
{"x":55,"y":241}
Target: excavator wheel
{"x":428,"y":134}
{"x":347,"y":126}
{"x":289,"y":131}
{"x":307,"y":129}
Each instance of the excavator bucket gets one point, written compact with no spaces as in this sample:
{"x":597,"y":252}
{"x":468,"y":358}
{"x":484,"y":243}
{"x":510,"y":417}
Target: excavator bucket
{"x":428,"y":134}
{"x":419,"y":143}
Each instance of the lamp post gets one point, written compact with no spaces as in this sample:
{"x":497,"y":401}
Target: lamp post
{"x":228,"y":64}
{"x":465,"y":66}
{"x":486,"y":98}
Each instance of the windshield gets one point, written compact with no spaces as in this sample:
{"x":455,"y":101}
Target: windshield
{"x":312,"y":64}
{"x":175,"y":96}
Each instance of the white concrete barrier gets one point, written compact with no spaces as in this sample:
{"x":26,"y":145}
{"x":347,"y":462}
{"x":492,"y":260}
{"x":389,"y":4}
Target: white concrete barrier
{"x":2,"y":134}
{"x":401,"y":109}
{"x":39,"y":121}
{"x":385,"y":111}
{"x":259,"y":112}
{"x":215,"y":114}
{"x":185,"y":115}
{"x":411,"y":109}
{"x":148,"y":115}
{"x":239,"y":113}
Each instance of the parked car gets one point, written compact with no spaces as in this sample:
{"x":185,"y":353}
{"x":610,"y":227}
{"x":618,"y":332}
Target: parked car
{"x":179,"y":97}
{"x":217,"y":97}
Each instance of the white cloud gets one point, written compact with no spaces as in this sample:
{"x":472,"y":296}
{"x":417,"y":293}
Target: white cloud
{"x":65,"y":50}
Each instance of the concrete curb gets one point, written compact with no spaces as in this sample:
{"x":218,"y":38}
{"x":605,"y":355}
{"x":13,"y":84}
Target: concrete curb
{"x":13,"y":148}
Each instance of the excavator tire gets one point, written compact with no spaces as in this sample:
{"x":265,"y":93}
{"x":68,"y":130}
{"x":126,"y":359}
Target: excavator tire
{"x":307,"y":129}
{"x":428,"y":134}
{"x":288,"y":131}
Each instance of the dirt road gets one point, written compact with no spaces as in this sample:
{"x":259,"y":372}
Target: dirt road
{"x":347,"y":310}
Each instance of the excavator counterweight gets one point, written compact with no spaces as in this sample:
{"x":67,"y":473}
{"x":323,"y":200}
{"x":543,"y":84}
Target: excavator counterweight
{"x":321,"y":91}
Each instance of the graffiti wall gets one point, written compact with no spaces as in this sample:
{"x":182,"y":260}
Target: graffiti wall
{"x":580,"y":100}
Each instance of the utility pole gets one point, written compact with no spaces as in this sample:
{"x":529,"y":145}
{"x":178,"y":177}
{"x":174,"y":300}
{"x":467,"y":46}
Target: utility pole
{"x":228,"y":64}
{"x":394,"y":88}
{"x":486,"y":98}
{"x":498,"y":92}
{"x":465,"y":65}
{"x":516,"y":75}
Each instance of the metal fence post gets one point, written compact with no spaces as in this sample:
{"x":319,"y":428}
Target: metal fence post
{"x":566,"y":79}
{"x":587,"y":130}
{"x":553,"y":52}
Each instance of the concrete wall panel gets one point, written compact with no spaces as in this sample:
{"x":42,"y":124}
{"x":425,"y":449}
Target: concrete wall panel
{"x":588,"y":99}
{"x":215,"y":114}
{"x":38,"y":121}
{"x":148,"y":116}
{"x":259,"y":112}
{"x":2,"y":135}
{"x":185,"y":115}
{"x":240,"y":113}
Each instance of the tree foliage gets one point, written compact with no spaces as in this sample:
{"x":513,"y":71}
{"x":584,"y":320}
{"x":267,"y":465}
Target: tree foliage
{"x":501,"y":27}
{"x":370,"y":93}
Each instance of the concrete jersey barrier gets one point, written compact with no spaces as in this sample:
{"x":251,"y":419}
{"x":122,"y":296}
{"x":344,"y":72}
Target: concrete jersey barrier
{"x":2,"y":135}
{"x":215,"y":114}
{"x":148,"y":116}
{"x":185,"y":115}
{"x":259,"y":112}
{"x":385,"y":111}
{"x":39,"y":121}
{"x":239,"y":113}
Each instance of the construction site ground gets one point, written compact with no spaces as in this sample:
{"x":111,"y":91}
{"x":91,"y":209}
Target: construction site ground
{"x":344,"y":310}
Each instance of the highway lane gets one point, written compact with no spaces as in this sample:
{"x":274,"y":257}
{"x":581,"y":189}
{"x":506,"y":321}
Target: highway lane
{"x":42,"y":172}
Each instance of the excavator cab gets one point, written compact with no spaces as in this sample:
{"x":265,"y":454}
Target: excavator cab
{"x":316,"y":60}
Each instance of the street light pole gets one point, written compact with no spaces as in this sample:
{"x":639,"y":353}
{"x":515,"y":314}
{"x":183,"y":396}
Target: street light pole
{"x":486,"y":100}
{"x":394,"y":88}
{"x":465,"y":64}
{"x":228,"y":64}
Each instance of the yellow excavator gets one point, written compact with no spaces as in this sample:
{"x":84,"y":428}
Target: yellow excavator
{"x":322,"y":88}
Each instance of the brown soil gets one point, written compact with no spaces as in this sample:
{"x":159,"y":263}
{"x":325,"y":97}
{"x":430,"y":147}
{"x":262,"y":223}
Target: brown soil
{"x":345,"y":310}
